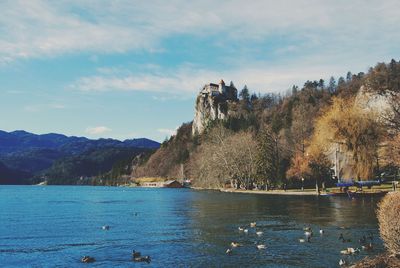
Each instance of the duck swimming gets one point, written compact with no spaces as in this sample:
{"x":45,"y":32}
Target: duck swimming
{"x":105,"y":227}
{"x":261,"y":246}
{"x":228,"y":251}
{"x":235,"y":245}
{"x":142,"y":259}
{"x":136,"y":254}
{"x":87,"y":259}
{"x":259,"y":233}
{"x":367,"y":247}
{"x":253,"y":224}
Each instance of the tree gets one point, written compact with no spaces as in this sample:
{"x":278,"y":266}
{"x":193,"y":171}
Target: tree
{"x":225,"y":157}
{"x":295,"y":89}
{"x":267,"y":158}
{"x":332,"y":85}
{"x":302,"y":126}
{"x":244,"y":94}
{"x":359,"y":131}
{"x":341,"y":83}
{"x":321,"y":84}
{"x":348,"y":77}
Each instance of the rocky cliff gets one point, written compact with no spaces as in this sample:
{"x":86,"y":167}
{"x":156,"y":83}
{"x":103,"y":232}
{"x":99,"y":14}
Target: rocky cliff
{"x":212,"y":103}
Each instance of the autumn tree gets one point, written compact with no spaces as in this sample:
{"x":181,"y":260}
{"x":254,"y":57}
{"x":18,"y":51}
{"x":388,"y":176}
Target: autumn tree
{"x":357,"y":129}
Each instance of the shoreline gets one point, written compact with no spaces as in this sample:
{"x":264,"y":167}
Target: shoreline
{"x":307,"y":192}
{"x":271,"y":192}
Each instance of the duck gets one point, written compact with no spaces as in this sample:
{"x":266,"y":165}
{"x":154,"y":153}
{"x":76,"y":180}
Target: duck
{"x":342,"y":262}
{"x":363,"y":240}
{"x":307,"y":228}
{"x":253,"y":224}
{"x":88,"y":259}
{"x":302,"y":240}
{"x":142,"y":259}
{"x":229,"y":251}
{"x":345,"y":252}
{"x":341,"y":236}
{"x":105,"y":227}
{"x":235,"y":245}
{"x":246,"y":231}
{"x":261,"y":246}
{"x":241,"y":229}
{"x":371,"y":236}
{"x":259,"y":233}
{"x":367,"y":247}
{"x":308,"y":233}
{"x":321,"y":231}
{"x":349,"y":251}
{"x":136,"y":254}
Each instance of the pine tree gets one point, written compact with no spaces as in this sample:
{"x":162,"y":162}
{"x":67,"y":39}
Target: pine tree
{"x":332,"y":85}
{"x":267,"y":158}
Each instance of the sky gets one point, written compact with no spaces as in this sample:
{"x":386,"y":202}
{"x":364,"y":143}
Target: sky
{"x":130,"y":69}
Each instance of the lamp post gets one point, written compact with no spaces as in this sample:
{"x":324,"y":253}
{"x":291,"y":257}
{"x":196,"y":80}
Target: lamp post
{"x":302,"y":184}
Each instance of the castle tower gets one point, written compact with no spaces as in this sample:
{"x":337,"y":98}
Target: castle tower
{"x":221,"y":87}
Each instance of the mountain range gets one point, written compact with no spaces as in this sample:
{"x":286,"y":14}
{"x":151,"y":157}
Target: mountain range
{"x":25,"y":157}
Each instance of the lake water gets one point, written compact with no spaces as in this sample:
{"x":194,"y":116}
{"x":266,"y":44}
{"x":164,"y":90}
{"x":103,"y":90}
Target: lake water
{"x":54,"y":226}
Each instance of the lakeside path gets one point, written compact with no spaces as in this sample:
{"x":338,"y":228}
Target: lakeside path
{"x":271,"y":192}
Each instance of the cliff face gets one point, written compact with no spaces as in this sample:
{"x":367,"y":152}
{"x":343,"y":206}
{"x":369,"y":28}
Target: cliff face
{"x":211,"y":104}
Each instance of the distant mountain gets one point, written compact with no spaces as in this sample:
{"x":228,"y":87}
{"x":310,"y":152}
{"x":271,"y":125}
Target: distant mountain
{"x":27,"y":154}
{"x":12,"y":142}
{"x":10,"y":176}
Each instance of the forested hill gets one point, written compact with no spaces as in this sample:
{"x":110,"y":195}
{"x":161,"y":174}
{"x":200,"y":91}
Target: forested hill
{"x":30,"y":158}
{"x":16,"y":141}
{"x":276,"y":139}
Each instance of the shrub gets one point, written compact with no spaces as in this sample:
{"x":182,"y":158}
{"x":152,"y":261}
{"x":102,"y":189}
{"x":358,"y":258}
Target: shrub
{"x":389,"y":221}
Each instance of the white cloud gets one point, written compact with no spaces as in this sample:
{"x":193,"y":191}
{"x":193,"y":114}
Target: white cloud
{"x":46,"y":28}
{"x":187,"y":80}
{"x":166,"y":131}
{"x":97,"y":130}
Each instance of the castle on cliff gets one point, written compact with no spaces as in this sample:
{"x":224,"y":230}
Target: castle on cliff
{"x":212,"y":103}
{"x":222,"y":90}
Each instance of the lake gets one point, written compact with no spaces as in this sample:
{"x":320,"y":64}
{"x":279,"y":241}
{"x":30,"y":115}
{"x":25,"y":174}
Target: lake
{"x":54,"y":226}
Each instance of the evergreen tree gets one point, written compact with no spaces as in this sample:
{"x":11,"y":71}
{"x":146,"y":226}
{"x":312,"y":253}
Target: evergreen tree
{"x":348,"y":76}
{"x":321,"y":84}
{"x":332,"y":85}
{"x":267,"y":158}
{"x":244,"y":94}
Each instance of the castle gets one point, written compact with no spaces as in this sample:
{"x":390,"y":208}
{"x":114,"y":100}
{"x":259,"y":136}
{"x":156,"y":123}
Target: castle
{"x":221,"y":90}
{"x":212,"y":103}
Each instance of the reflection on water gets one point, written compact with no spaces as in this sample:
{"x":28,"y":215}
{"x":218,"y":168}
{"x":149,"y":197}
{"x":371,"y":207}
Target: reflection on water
{"x":56,"y":226}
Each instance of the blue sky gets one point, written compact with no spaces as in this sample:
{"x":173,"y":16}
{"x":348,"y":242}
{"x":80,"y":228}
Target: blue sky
{"x":129,"y":69}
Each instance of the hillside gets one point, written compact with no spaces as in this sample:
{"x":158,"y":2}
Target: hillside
{"x":40,"y":156}
{"x":272,"y":139}
{"x":10,"y":176}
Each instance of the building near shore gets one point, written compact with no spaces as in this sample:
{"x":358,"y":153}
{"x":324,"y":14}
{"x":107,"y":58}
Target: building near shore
{"x":163,"y":184}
